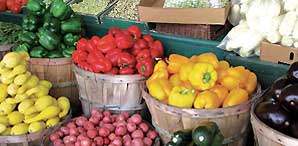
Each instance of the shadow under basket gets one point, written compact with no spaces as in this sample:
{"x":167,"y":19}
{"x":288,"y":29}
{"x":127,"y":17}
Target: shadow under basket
{"x":4,"y":49}
{"x":201,"y":31}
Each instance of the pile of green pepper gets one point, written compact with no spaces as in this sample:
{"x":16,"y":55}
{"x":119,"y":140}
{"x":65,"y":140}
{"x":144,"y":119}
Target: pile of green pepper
{"x":49,"y":32}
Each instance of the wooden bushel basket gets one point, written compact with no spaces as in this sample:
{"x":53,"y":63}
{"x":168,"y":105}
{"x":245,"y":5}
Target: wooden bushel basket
{"x":232,"y":121}
{"x":59,"y":73}
{"x":34,"y":139}
{"x":4,"y":49}
{"x":266,"y":136}
{"x":112,"y":92}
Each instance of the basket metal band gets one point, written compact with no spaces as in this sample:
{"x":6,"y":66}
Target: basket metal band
{"x":64,"y":84}
{"x":227,"y":140}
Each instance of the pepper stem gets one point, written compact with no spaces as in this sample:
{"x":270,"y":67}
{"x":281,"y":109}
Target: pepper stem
{"x":186,"y":91}
{"x":143,"y":68}
{"x":206,"y":77}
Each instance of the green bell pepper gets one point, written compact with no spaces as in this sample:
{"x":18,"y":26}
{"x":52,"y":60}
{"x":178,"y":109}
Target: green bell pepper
{"x":30,"y":22}
{"x":72,"y":25}
{"x":54,"y":54}
{"x":68,"y":51}
{"x":23,"y":47}
{"x":38,"y":52}
{"x":47,"y":39}
{"x":207,"y":134}
{"x":36,"y":7}
{"x":51,"y":23}
{"x":27,"y":37}
{"x":60,"y":9}
{"x":70,"y":39}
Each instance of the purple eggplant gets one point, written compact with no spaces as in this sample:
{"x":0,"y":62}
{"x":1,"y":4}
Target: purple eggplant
{"x":294,"y":129}
{"x":289,"y":98}
{"x":292,"y":73}
{"x":278,"y":85}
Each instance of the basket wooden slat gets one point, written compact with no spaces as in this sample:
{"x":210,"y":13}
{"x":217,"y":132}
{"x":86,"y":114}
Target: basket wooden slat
{"x":266,"y":136}
{"x":59,"y":72}
{"x":113,"y":92}
{"x":209,"y":32}
{"x":232,"y":121}
{"x":4,"y":49}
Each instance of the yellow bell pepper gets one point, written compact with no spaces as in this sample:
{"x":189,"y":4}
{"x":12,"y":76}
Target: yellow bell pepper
{"x":221,"y":91}
{"x":159,"y":88}
{"x":203,"y":76}
{"x":223,"y":65}
{"x":236,"y":97}
{"x":175,"y":80}
{"x":251,"y":83}
{"x":230,"y":82}
{"x":158,"y":74}
{"x":185,"y":71}
{"x":175,"y":62}
{"x":207,"y":100}
{"x":182,"y":97}
{"x":160,"y":65}
{"x":208,"y":58}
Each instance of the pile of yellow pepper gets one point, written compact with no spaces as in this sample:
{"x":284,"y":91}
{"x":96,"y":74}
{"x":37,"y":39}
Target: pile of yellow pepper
{"x":201,"y":82}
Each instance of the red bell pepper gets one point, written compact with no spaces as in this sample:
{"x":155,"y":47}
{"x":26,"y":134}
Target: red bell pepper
{"x":157,"y":45}
{"x":101,"y":65}
{"x":14,"y":6}
{"x":113,"y":71}
{"x":113,"y":56}
{"x":143,"y":55}
{"x":148,"y":38}
{"x":126,"y":32}
{"x":124,"y":41}
{"x":79,"y":56}
{"x":126,"y":71}
{"x":106,"y":43}
{"x":145,"y":67}
{"x":141,"y":43}
{"x":81,"y":44}
{"x":135,"y":51}
{"x":3,"y":6}
{"x":135,"y":31}
{"x":95,"y":40}
{"x":9,"y":3}
{"x":90,"y":47}
{"x":126,"y":59}
{"x":86,"y":66}
{"x":114,"y":31}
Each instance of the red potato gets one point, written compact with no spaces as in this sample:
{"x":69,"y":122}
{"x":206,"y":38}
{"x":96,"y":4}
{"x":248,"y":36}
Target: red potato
{"x":81,"y":130}
{"x":120,"y":131}
{"x":94,"y":120}
{"x":107,"y":113}
{"x":93,"y":144}
{"x":112,"y":136}
{"x":88,"y":125}
{"x":92,"y":133}
{"x":121,"y":123}
{"x":78,"y":143}
{"x":109,"y":126}
{"x":107,"y":119}
{"x":60,"y":133}
{"x":72,"y":138}
{"x":127,"y":143}
{"x":137,"y":134}
{"x":57,"y":142}
{"x":152,"y":134}
{"x":144,"y":127}
{"x":99,"y":141}
{"x":117,"y":141}
{"x":126,"y":137}
{"x":125,"y":114}
{"x":69,"y":144}
{"x":54,"y":136}
{"x":65,"y":130}
{"x":80,"y":137}
{"x":66,"y":140}
{"x":137,"y":142}
{"x":80,"y":121}
{"x":131,"y":127}
{"x":147,"y":141}
{"x":120,"y":118}
{"x":106,"y":141}
{"x":94,"y":111}
{"x":73,"y":131}
{"x":113,"y":118}
{"x":136,"y":118}
{"x":112,"y":144}
{"x":86,"y":142}
{"x":71,"y":125}
{"x":103,"y":131}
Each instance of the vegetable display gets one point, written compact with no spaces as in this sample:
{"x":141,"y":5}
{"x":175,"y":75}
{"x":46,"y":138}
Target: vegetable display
{"x":195,"y":3}
{"x":9,"y":33}
{"x":49,"y":32}
{"x":14,"y":6}
{"x":121,"y":52}
{"x":93,"y":7}
{"x":126,"y":9}
{"x":279,"y":108}
{"x":25,"y":106}
{"x":205,"y":134}
{"x":201,"y":82}
{"x":104,"y":128}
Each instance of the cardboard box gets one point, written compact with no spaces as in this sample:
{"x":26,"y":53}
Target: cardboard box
{"x":153,"y":11}
{"x":278,"y":54}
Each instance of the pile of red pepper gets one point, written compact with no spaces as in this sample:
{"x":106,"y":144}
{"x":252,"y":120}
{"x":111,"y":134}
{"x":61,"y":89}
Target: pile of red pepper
{"x":122,"y":52}
{"x":15,"y":6}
